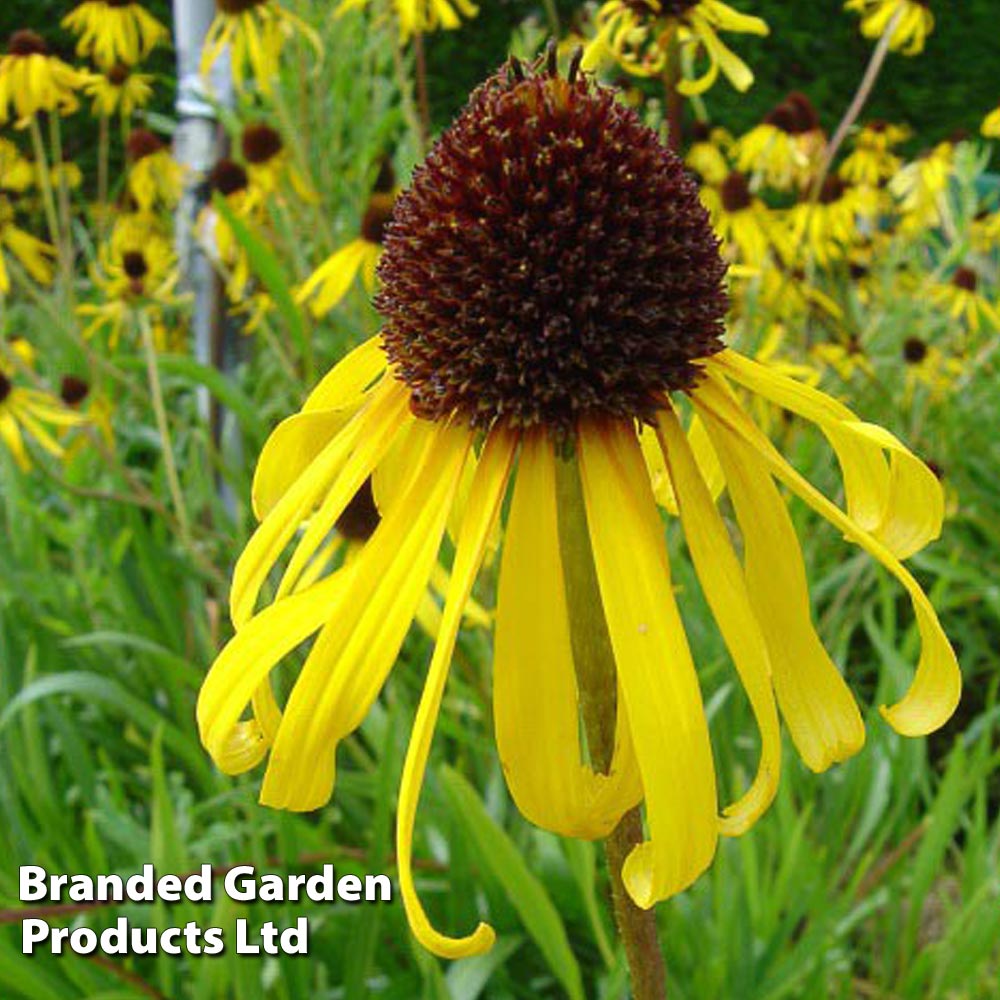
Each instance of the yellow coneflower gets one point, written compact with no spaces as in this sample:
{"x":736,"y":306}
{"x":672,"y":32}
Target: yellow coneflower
{"x":17,"y":172}
{"x":119,"y":89}
{"x":708,"y":155}
{"x":268,"y":164}
{"x":65,"y":172}
{"x":828,"y":226}
{"x":22,"y":351}
{"x":915,"y":23}
{"x":782,"y":151}
{"x":524,"y":326}
{"x":962,"y":297}
{"x":32,"y":80}
{"x":140,"y":277}
{"x":744,"y":223}
{"x":927,"y":366}
{"x":255,"y":32}
{"x":330,"y":282}
{"x":154,"y":176}
{"x":76,"y":395}
{"x":26,"y":412}
{"x":872,"y":162}
{"x":919,"y":187}
{"x":114,"y":31}
{"x":639,"y":35}
{"x":34,"y":255}
{"x":846,"y":358}
{"x":229,"y":179}
{"x":420,"y":17}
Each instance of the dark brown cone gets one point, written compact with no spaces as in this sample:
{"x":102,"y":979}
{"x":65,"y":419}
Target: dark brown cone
{"x":237,"y":6}
{"x":735,"y":193}
{"x":376,"y":218}
{"x":260,"y":143}
{"x":73,"y":390}
{"x":965,"y":277}
{"x":134,"y":264}
{"x":118,"y":74}
{"x":227,"y":177}
{"x":914,"y":350}
{"x":142,"y":143}
{"x":27,"y":43}
{"x":5,"y":387}
{"x":551,"y":260}
{"x":361,"y":516}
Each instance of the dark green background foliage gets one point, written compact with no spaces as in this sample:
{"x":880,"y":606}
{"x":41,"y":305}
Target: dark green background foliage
{"x":813,"y":47}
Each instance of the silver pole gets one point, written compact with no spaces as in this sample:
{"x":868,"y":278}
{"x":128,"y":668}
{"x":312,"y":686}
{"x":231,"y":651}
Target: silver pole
{"x":198,"y":144}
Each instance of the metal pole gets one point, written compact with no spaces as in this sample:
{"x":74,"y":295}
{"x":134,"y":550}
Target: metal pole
{"x":198,"y":144}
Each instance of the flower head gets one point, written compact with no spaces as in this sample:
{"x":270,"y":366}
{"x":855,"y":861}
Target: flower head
{"x":114,"y":31}
{"x":913,"y":19}
{"x":639,"y":35}
{"x":255,"y":32}
{"x":33,"y":80}
{"x":326,"y":287}
{"x":551,"y":285}
{"x":119,"y":89}
{"x":30,"y":413}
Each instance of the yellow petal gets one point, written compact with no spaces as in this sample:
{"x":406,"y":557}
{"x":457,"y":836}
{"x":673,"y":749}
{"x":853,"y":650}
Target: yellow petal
{"x":535,"y":696}
{"x":657,"y":676}
{"x":289,"y":450}
{"x":384,"y":411}
{"x":815,"y":701}
{"x":345,"y":385}
{"x":356,"y":649}
{"x":486,"y":495}
{"x":246,"y":660}
{"x":726,"y":592}
{"x":902,"y":503}
{"x":934,"y":693}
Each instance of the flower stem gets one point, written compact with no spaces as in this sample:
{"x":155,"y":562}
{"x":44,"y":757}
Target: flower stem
{"x":160,"y":412}
{"x":593,"y":659}
{"x":45,"y":182}
{"x":423,"y":96}
{"x":103,"y":155}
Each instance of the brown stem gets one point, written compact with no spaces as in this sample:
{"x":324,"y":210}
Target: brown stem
{"x":423,"y":97}
{"x":593,"y":660}
{"x":674,"y":99}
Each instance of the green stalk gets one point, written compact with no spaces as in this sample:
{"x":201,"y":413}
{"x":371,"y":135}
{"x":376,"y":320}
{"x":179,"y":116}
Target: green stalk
{"x":596,"y":677}
{"x":160,"y":412}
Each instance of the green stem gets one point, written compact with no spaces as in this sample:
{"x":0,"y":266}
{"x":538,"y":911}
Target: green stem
{"x":103,"y":152}
{"x":45,"y":180}
{"x":159,"y":410}
{"x":594,"y":662}
{"x":65,"y":224}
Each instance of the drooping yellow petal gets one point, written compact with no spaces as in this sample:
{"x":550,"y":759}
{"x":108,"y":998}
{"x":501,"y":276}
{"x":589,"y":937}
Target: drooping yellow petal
{"x":725,"y":589}
{"x":482,"y":510}
{"x":901,"y":504}
{"x":936,"y":688}
{"x":815,"y":701}
{"x":344,"y":386}
{"x":535,"y":696}
{"x":383,"y":413}
{"x":657,"y":677}
{"x":289,"y":450}
{"x":245,"y":662}
{"x":356,"y":649}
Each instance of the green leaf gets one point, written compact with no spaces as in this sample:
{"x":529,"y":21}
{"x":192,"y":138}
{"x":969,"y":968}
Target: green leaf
{"x":267,"y":267}
{"x":496,"y":852}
